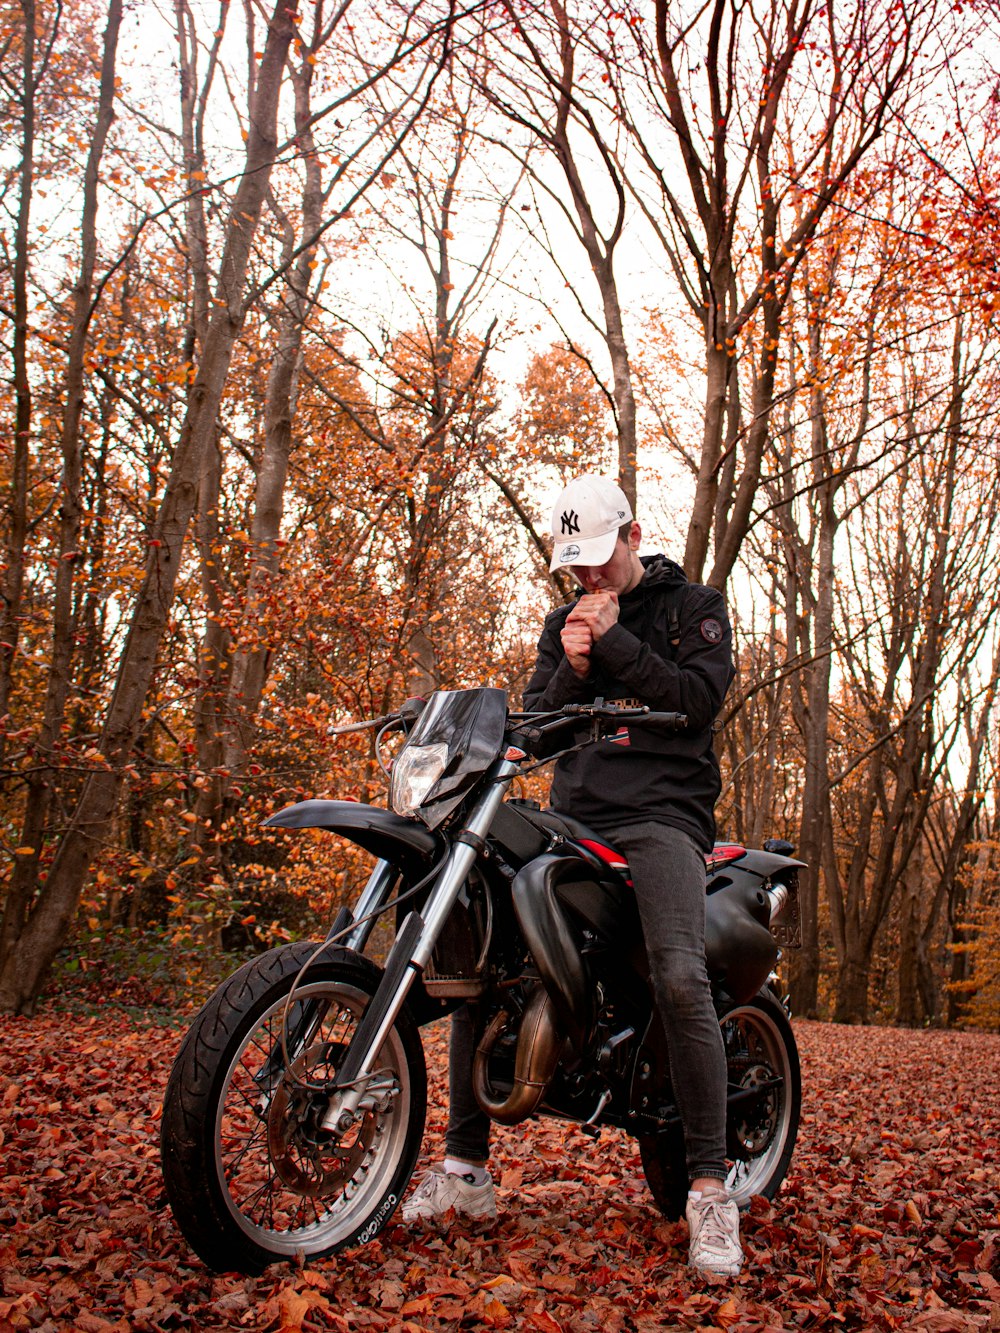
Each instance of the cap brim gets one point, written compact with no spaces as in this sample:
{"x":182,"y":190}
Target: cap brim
{"x":593,"y":551}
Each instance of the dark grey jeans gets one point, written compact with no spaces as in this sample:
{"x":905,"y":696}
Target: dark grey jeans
{"x":668,"y":872}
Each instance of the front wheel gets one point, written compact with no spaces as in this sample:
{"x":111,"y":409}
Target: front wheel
{"x":764,"y":1107}
{"x":250,"y":1174}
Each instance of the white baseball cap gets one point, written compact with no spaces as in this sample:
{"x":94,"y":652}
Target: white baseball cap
{"x":585,"y":522}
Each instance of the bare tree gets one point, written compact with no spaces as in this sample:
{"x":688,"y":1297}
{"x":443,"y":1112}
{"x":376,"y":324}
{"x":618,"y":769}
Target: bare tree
{"x":699,"y":114}
{"x":63,"y":650}
{"x":539,"y":91}
{"x":429,"y":396}
{"x":927,"y":558}
{"x":29,"y":956}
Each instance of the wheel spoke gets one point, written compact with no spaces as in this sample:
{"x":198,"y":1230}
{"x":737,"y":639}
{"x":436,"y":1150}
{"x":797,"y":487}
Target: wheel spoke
{"x":257,"y":1135}
{"x":252,"y":1102}
{"x":763,"y":1124}
{"x":282,"y":1181}
{"x":262,"y":1194}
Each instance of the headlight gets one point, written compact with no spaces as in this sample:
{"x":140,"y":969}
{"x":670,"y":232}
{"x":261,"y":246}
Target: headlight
{"x":413,"y":775}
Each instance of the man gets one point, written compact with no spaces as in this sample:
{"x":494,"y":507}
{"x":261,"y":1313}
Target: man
{"x":638,"y":631}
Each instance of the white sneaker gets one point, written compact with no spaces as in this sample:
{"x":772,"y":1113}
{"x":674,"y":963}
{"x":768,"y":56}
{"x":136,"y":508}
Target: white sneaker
{"x":439,"y":1192}
{"x":714,"y":1222}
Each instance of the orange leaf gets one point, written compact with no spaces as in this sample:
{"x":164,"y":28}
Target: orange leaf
{"x":540,"y":1318}
{"x":419,"y":1305}
{"x":294,"y":1308}
{"x":558,"y":1282}
{"x":495,"y":1312}
{"x":727,"y":1313}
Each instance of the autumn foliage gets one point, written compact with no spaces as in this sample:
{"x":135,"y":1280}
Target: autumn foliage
{"x":308,"y":311}
{"x":888,"y":1219}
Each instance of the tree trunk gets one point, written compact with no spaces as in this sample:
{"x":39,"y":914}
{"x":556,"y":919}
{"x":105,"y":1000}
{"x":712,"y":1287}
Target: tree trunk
{"x":250,"y":659}
{"x":852,"y":990}
{"x":23,"y":970}
{"x":24,"y":878}
{"x":718,"y":368}
{"x":214,"y":652}
{"x":601,"y":253}
{"x":907,"y":973}
{"x":16,"y":519}
{"x":729,"y":539}
{"x":215,"y":649}
{"x":813,"y":830}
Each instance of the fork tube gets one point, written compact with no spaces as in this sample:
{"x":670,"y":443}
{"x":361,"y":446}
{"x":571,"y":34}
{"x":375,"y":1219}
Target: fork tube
{"x":374,"y":894}
{"x":359,"y":1063}
{"x":439,"y":904}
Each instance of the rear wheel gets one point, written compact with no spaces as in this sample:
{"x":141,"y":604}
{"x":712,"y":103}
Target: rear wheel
{"x":251,"y":1175}
{"x":764,"y":1107}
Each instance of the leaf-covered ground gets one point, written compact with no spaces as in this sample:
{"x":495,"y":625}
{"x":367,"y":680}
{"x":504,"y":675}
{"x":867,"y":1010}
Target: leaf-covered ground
{"x":890,"y":1217}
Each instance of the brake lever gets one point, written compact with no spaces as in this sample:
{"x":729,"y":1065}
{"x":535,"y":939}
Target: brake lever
{"x":407,"y":713}
{"x":370,"y":725}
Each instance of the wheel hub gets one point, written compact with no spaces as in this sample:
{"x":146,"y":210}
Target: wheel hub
{"x":755,"y":1130}
{"x":309,"y":1159}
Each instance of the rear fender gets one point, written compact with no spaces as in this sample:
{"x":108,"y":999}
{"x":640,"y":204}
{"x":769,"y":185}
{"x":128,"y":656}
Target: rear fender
{"x":764,"y":865}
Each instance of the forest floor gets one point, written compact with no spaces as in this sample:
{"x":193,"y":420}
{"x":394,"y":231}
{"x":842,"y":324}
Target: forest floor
{"x":889,"y":1218}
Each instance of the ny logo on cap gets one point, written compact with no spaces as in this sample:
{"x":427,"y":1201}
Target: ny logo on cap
{"x":569,"y":522}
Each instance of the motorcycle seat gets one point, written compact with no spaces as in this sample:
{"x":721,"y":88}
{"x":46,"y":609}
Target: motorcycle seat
{"x":555,"y":821}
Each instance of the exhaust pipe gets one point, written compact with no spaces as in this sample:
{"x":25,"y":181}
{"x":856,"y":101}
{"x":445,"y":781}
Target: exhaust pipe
{"x":553,"y":947}
{"x":538,"y":1049}
{"x":562,"y":1007}
{"x":778,"y":895}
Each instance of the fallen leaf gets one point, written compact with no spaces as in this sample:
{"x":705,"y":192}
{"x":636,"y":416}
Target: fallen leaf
{"x":540,"y":1318}
{"x":293,"y":1307}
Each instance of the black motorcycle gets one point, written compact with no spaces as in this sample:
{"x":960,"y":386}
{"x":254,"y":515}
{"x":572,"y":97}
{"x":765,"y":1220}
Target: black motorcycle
{"x":294,"y":1113}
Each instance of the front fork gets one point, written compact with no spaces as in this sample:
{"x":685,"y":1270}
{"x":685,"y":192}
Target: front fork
{"x":410,"y":954}
{"x":371,"y":902}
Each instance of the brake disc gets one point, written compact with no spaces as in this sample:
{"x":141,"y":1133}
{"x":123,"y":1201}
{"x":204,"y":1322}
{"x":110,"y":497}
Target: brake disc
{"x":310,"y":1160}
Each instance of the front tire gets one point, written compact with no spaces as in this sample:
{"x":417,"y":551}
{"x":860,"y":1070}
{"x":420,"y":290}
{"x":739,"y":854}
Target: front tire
{"x":250,"y":1176}
{"x":762,"y":1060}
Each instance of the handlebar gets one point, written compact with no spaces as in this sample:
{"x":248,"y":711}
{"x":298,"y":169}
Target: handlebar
{"x":571,"y":714}
{"x":535,"y":728}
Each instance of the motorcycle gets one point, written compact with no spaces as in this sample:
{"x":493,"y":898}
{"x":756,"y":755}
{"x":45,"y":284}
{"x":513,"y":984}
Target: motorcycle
{"x":294,"y":1113}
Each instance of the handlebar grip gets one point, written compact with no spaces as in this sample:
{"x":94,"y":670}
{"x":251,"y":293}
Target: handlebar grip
{"x":661,"y":721}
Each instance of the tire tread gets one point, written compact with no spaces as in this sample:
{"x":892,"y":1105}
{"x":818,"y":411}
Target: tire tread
{"x":663,"y":1159}
{"x":189,"y":1104}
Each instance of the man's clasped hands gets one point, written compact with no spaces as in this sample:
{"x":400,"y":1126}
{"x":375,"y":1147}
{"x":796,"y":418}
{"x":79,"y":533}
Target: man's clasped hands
{"x":593,"y":616}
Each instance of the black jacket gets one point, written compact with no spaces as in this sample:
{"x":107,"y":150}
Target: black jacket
{"x":670,"y":779}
